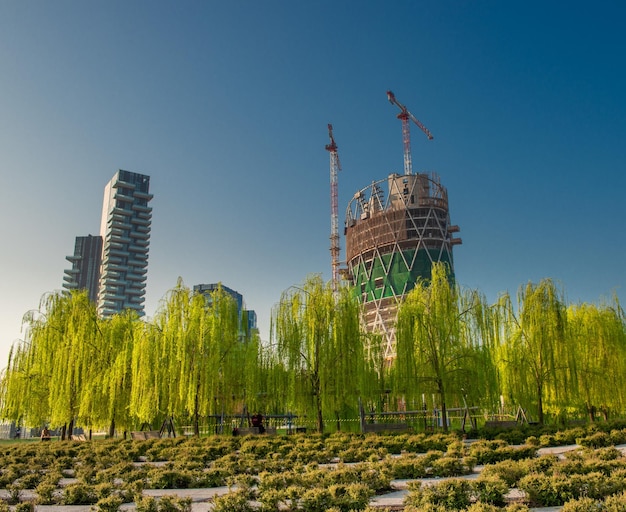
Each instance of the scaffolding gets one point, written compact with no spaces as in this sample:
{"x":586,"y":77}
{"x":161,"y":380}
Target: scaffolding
{"x":396,"y":228}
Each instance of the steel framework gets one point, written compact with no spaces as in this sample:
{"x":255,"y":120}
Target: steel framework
{"x":335,"y":250}
{"x":396,"y":228}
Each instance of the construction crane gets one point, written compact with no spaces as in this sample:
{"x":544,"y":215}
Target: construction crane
{"x":335,"y":167}
{"x":404,"y":116}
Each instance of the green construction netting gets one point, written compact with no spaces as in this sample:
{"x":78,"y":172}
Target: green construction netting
{"x":394,"y":273}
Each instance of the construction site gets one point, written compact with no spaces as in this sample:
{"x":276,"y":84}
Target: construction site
{"x":395,"y":229}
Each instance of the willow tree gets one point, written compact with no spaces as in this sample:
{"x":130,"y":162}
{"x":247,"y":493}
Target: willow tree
{"x":535,"y":356}
{"x":106,"y":395}
{"x":317,"y":339}
{"x":597,"y":357}
{"x":62,"y":337}
{"x":434,"y":352}
{"x":189,"y":361}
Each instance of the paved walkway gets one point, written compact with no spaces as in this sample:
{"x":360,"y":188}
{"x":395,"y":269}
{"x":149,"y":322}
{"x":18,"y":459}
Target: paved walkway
{"x":393,"y":500}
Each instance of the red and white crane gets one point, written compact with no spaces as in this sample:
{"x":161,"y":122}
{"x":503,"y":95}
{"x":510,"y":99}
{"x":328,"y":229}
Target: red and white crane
{"x":404,"y":116}
{"x":335,"y":167}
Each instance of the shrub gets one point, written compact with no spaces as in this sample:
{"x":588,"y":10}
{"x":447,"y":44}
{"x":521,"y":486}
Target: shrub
{"x":584,"y":504}
{"x":618,"y":436}
{"x":108,"y":504}
{"x":407,"y":467}
{"x":31,"y":480}
{"x":609,"y":453}
{"x":539,"y":490}
{"x":174,"y":504}
{"x":24,"y":506}
{"x":317,"y":499}
{"x":168,"y":478}
{"x":449,"y":466}
{"x":615,"y":503}
{"x":46,"y":493}
{"x":270,"y":498}
{"x":146,"y":504}
{"x":78,"y":494}
{"x":510,"y":471}
{"x":350,"y":497}
{"x":14,"y":493}
{"x":236,"y":501}
{"x":597,"y":440}
{"x":453,"y":494}
{"x":490,"y":489}
{"x":482,"y":507}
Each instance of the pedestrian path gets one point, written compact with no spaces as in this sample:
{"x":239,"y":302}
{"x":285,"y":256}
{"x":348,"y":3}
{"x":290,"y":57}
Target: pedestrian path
{"x":393,"y":500}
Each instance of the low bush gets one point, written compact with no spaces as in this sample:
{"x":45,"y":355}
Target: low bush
{"x":108,"y":504}
{"x":509,"y":471}
{"x":597,"y":440}
{"x":78,"y":494}
{"x":234,"y":501}
{"x":490,"y":490}
{"x":452,"y":494}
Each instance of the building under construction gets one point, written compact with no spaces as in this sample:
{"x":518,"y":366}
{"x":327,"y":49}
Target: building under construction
{"x":396,"y":229}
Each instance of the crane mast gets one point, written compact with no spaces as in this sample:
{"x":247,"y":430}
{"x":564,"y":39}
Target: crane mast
{"x":335,"y":166}
{"x":405,"y":116}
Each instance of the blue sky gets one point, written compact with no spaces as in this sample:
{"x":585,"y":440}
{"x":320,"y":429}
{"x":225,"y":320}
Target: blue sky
{"x":225,"y":106}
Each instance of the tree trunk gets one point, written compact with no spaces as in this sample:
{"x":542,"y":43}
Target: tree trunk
{"x":63,"y":431}
{"x":112,"y":428}
{"x":70,"y":429}
{"x":196,"y":414}
{"x":540,"y":404}
{"x":444,"y":410}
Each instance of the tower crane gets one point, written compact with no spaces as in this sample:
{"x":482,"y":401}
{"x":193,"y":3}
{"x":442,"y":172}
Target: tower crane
{"x":404,"y":116}
{"x":335,"y":166}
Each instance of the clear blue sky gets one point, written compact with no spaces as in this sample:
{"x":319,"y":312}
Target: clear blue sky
{"x":225,"y":106}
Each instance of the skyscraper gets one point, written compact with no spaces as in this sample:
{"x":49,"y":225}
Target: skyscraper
{"x":247,"y":317}
{"x":85,"y":271}
{"x":125,"y":232}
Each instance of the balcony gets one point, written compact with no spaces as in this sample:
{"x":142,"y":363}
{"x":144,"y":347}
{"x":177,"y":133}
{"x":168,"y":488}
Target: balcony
{"x":140,"y":208}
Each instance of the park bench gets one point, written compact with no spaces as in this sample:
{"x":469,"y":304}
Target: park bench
{"x":142,"y":435}
{"x":78,"y":437}
{"x":385,"y":427}
{"x":501,"y":424}
{"x":244,"y":431}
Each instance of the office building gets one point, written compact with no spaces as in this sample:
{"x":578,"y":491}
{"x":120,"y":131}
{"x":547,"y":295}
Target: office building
{"x":85,"y":271}
{"x":125,"y":232}
{"x":247,"y":317}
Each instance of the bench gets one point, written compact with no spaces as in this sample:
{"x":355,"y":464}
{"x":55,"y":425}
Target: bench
{"x":142,"y":435}
{"x":501,"y":424}
{"x":244,"y":431}
{"x":78,"y":437}
{"x":385,"y":427}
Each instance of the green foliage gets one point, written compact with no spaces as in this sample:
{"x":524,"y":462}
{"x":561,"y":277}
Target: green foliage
{"x":46,"y":493}
{"x":437,"y":343}
{"x":79,"y":494}
{"x":234,"y":501}
{"x":490,"y":452}
{"x":509,"y":471}
{"x":24,"y":506}
{"x":14,"y":493}
{"x":453,"y":494}
{"x":490,"y":489}
{"x":111,"y":503}
{"x":596,"y":440}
